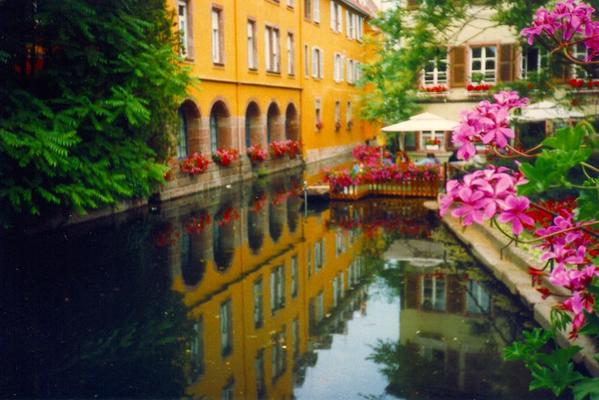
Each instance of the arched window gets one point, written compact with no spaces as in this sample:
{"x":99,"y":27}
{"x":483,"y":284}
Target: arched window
{"x":274,"y":124}
{"x":182,"y":150}
{"x":291,"y":123}
{"x":253,"y":128}
{"x":213,"y":132}
{"x":221,"y":134}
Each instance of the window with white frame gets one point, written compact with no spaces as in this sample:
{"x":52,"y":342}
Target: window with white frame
{"x":217,"y":36}
{"x":272,"y":49}
{"x":307,"y":9}
{"x":533,"y":61}
{"x":349,"y":25}
{"x":252,"y":45}
{"x":351,"y":71}
{"x":580,"y":52}
{"x":294,"y":277}
{"x":290,"y":54}
{"x":226,"y":328}
{"x":317,"y":63}
{"x":316,"y":10}
{"x":348,"y":121}
{"x":357,"y":71}
{"x":337,"y":115}
{"x":478,"y":300}
{"x":359,"y":27}
{"x":290,"y":3}
{"x":432,"y":138}
{"x":336,"y":16}
{"x":184,"y":27}
{"x":433,"y":293}
{"x":258,"y":304}
{"x":483,"y":63}
{"x":306,"y":60}
{"x":336,"y":67}
{"x":435,"y":71}
{"x":277,"y":289}
{"x":318,"y":117}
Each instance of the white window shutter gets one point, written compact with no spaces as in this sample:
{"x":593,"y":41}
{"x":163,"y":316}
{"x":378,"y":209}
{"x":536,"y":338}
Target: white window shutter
{"x":314,"y":63}
{"x":347,"y":22}
{"x":316,"y":10}
{"x":267,"y":49}
{"x":341,"y":65}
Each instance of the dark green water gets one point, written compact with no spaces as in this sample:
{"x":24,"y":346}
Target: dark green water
{"x":239,"y":293}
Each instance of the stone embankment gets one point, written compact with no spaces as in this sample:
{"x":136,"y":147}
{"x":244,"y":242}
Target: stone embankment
{"x":510,"y":264}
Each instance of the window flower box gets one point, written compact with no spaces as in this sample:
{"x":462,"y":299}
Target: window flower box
{"x":225,"y":157}
{"x":195,"y":164}
{"x":256,"y":154}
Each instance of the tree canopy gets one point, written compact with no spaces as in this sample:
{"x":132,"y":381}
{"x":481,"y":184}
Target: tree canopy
{"x":89,"y":91}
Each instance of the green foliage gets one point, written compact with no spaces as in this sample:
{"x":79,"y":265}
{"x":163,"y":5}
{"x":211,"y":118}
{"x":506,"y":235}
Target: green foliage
{"x":89,"y":93}
{"x":553,"y":370}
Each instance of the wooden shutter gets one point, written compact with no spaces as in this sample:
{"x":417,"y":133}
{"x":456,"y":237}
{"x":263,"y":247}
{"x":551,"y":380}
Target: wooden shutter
{"x":507,"y":64}
{"x":457,"y":65}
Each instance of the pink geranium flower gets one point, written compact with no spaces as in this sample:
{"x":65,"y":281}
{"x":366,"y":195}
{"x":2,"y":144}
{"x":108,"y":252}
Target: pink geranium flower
{"x":514,"y":213}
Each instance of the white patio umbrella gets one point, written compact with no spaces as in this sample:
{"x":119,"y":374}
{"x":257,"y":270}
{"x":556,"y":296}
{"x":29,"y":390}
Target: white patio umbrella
{"x":422,"y":122}
{"x":546,"y":110}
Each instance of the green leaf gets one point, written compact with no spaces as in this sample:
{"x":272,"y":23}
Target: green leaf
{"x":587,"y":389}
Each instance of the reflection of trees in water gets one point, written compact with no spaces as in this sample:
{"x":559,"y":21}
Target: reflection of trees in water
{"x":99,"y":319}
{"x":415,"y":371}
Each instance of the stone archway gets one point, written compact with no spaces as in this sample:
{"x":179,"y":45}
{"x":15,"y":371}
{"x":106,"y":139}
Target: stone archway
{"x":274,"y":124}
{"x":291,"y":123}
{"x":221,"y":129}
{"x":253,"y":125}
{"x":189,"y":130}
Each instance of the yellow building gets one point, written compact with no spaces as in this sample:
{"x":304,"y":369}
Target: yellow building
{"x":269,"y":70}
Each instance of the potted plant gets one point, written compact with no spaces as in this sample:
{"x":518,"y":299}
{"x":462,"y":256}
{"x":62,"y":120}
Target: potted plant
{"x":225,"y":157}
{"x":278,"y":149}
{"x":293,"y":148}
{"x":432,"y":144}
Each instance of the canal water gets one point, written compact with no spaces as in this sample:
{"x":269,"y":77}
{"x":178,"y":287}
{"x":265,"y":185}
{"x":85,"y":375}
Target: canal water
{"x":244,"y":293}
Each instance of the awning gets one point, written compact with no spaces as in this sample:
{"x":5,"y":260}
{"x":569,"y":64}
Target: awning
{"x":422,"y":122}
{"x":546,"y":110}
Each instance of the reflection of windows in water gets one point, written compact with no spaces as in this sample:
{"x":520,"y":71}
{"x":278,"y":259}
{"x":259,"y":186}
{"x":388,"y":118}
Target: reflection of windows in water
{"x":228,"y":392}
{"x":433,"y":293}
{"x":320,"y":307}
{"x":185,"y":249}
{"x":319,"y":255}
{"x":309,"y":261}
{"x":339,"y":243}
{"x":295,"y":332}
{"x":258,"y":304}
{"x":197,"y":350}
{"x":259,"y":367}
{"x":223,"y":245}
{"x":275,"y":222}
{"x":279,"y":353}
{"x":478,"y":300}
{"x":335,"y":291}
{"x":294,"y":276}
{"x":226,"y":329}
{"x":277,"y":288}
{"x":255,"y":233}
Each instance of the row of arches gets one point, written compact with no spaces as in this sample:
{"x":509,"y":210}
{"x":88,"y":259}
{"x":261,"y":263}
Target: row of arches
{"x":259,"y":127}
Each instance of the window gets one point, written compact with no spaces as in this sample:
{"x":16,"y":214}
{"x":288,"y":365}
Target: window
{"x":336,"y":70}
{"x":359,"y":27}
{"x":294,"y":276}
{"x":317,"y":63}
{"x":478,"y":300}
{"x":433,"y":293}
{"x":228,"y":392}
{"x":318,"y":112}
{"x":258,"y":304}
{"x":309,"y":261}
{"x":184,"y":28}
{"x":271,"y":41}
{"x":482,"y":64}
{"x":252,"y":46}
{"x":435,"y":71}
{"x":337,"y":115}
{"x":339,"y":237}
{"x":290,"y":3}
{"x":306,"y":61}
{"x":295,"y":337}
{"x":580,"y":52}
{"x":197,"y":349}
{"x":259,"y":368}
{"x":217,"y":37}
{"x":533,"y":61}
{"x":348,"y":121}
{"x":182,"y":136}
{"x":319,"y":255}
{"x":349,"y":24}
{"x":307,"y":9}
{"x":226,"y":329}
{"x":279,"y":353}
{"x":277,"y":289}
{"x":357,"y":71}
{"x":316,"y":10}
{"x":351,"y":71}
{"x":336,"y":15}
{"x":290,"y":54}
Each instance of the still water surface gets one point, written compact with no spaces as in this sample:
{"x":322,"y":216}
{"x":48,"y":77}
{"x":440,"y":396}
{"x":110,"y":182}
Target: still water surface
{"x":242,"y":293}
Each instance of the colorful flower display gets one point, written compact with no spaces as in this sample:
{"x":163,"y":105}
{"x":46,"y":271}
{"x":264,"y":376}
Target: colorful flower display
{"x":225,"y":157}
{"x":256,"y":154}
{"x":195,"y":164}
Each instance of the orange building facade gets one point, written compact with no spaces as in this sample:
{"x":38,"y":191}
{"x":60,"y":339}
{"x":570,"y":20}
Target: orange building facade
{"x":269,"y":71}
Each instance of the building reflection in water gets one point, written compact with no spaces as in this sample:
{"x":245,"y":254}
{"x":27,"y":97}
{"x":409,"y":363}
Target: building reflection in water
{"x":265,"y":287}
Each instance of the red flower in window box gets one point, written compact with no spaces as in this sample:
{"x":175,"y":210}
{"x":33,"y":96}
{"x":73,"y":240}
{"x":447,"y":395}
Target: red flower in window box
{"x":228,"y":215}
{"x":293,"y":148}
{"x":433,"y":142}
{"x":434,"y":89}
{"x":319,"y":125}
{"x":256,"y":154}
{"x":278,"y":149}
{"x":195,"y":164}
{"x":197,"y":224}
{"x":483,"y":87}
{"x":225,"y":157}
